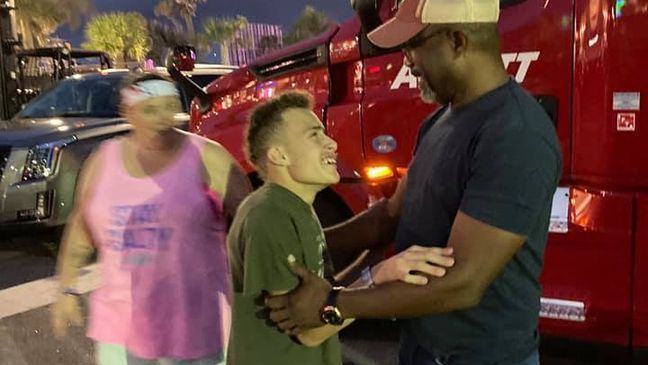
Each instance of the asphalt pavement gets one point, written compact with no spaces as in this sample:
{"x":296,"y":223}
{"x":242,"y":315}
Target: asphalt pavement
{"x":27,"y":289}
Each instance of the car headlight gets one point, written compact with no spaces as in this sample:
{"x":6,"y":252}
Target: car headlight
{"x":42,"y":159}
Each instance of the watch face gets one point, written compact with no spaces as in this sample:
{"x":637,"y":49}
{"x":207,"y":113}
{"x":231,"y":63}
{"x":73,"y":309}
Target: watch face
{"x":331,"y":315}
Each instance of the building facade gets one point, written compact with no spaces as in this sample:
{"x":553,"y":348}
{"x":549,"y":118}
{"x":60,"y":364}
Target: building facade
{"x":254,"y":41}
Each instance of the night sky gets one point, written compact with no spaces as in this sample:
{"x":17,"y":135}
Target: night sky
{"x":281,"y":12}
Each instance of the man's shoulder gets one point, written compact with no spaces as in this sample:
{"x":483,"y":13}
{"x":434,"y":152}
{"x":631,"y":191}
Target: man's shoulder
{"x":261,"y":224}
{"x":519,"y":129}
{"x":520,"y":117}
{"x":262,"y":206}
{"x":525,"y":111}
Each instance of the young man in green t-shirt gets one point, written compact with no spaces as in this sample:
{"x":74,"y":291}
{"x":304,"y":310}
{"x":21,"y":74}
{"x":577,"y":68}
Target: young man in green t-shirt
{"x":287,"y":144}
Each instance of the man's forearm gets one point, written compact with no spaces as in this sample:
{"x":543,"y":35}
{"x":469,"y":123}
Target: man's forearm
{"x":351,"y":272}
{"x":375,"y":227}
{"x":401,"y":300}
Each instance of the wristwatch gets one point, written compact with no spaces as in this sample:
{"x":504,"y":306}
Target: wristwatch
{"x":330,"y":314}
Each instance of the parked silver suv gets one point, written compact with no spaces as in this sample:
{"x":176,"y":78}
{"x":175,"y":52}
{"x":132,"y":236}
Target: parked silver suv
{"x":43,"y":147}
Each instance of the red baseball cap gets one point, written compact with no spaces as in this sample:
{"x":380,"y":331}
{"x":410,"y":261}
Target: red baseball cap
{"x":414,"y":15}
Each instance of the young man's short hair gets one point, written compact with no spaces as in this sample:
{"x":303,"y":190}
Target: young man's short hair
{"x":266,"y":119}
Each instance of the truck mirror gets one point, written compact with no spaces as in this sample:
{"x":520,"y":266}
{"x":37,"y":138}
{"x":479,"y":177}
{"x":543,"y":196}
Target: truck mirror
{"x":190,"y":88}
{"x":184,"y":57}
{"x":368,"y":12}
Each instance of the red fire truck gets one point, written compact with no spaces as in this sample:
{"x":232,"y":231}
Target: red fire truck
{"x":584,"y":60}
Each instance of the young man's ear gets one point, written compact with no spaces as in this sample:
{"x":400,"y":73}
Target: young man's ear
{"x":276,"y":156}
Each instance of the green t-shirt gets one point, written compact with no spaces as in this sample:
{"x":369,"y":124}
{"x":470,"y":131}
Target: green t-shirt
{"x":269,"y":225}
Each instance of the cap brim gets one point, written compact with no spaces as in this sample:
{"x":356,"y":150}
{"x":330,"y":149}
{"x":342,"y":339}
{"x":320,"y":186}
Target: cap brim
{"x":394,"y":32}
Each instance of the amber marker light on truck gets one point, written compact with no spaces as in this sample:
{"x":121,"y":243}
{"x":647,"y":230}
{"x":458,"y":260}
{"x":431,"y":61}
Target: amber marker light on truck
{"x":377,"y":173}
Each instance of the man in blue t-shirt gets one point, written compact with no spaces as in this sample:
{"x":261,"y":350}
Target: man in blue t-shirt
{"x":483,"y":176}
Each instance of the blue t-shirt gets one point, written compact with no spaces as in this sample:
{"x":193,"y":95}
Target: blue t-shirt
{"x":497,"y":160}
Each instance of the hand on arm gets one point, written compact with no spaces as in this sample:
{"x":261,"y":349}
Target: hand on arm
{"x":318,"y":332}
{"x":311,"y":337}
{"x":270,"y":239}
{"x":410,"y":266}
{"x":414,"y":265}
{"x":480,"y":251}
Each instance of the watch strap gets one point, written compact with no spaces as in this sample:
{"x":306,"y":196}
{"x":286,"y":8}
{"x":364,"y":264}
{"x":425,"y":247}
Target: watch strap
{"x":331,"y":299}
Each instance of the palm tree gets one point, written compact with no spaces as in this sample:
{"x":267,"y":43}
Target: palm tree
{"x":37,"y":20}
{"x":223,"y":31}
{"x":165,"y":38}
{"x":166,"y":8}
{"x":311,"y":22}
{"x":185,"y":9}
{"x":122,"y":35}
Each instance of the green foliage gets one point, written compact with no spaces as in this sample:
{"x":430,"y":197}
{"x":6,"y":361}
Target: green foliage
{"x":222,"y":31}
{"x":123,"y":35}
{"x":164,"y":38}
{"x":36,"y":20}
{"x":311,"y":22}
{"x":175,"y":9}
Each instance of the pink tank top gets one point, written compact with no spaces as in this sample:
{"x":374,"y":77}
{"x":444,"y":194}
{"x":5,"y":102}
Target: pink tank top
{"x":162,"y":258}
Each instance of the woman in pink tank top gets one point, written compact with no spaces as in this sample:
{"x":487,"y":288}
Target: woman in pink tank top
{"x":155,"y":205}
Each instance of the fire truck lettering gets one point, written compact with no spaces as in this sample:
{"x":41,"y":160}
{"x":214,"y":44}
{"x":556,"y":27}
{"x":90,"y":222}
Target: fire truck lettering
{"x":507,"y":58}
{"x":404,"y":77}
{"x":524,"y":58}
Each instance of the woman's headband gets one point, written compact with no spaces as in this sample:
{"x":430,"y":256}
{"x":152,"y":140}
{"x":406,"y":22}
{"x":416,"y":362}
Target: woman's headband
{"x":148,"y":89}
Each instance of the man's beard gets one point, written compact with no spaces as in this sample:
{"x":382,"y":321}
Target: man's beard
{"x":428,"y":95}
